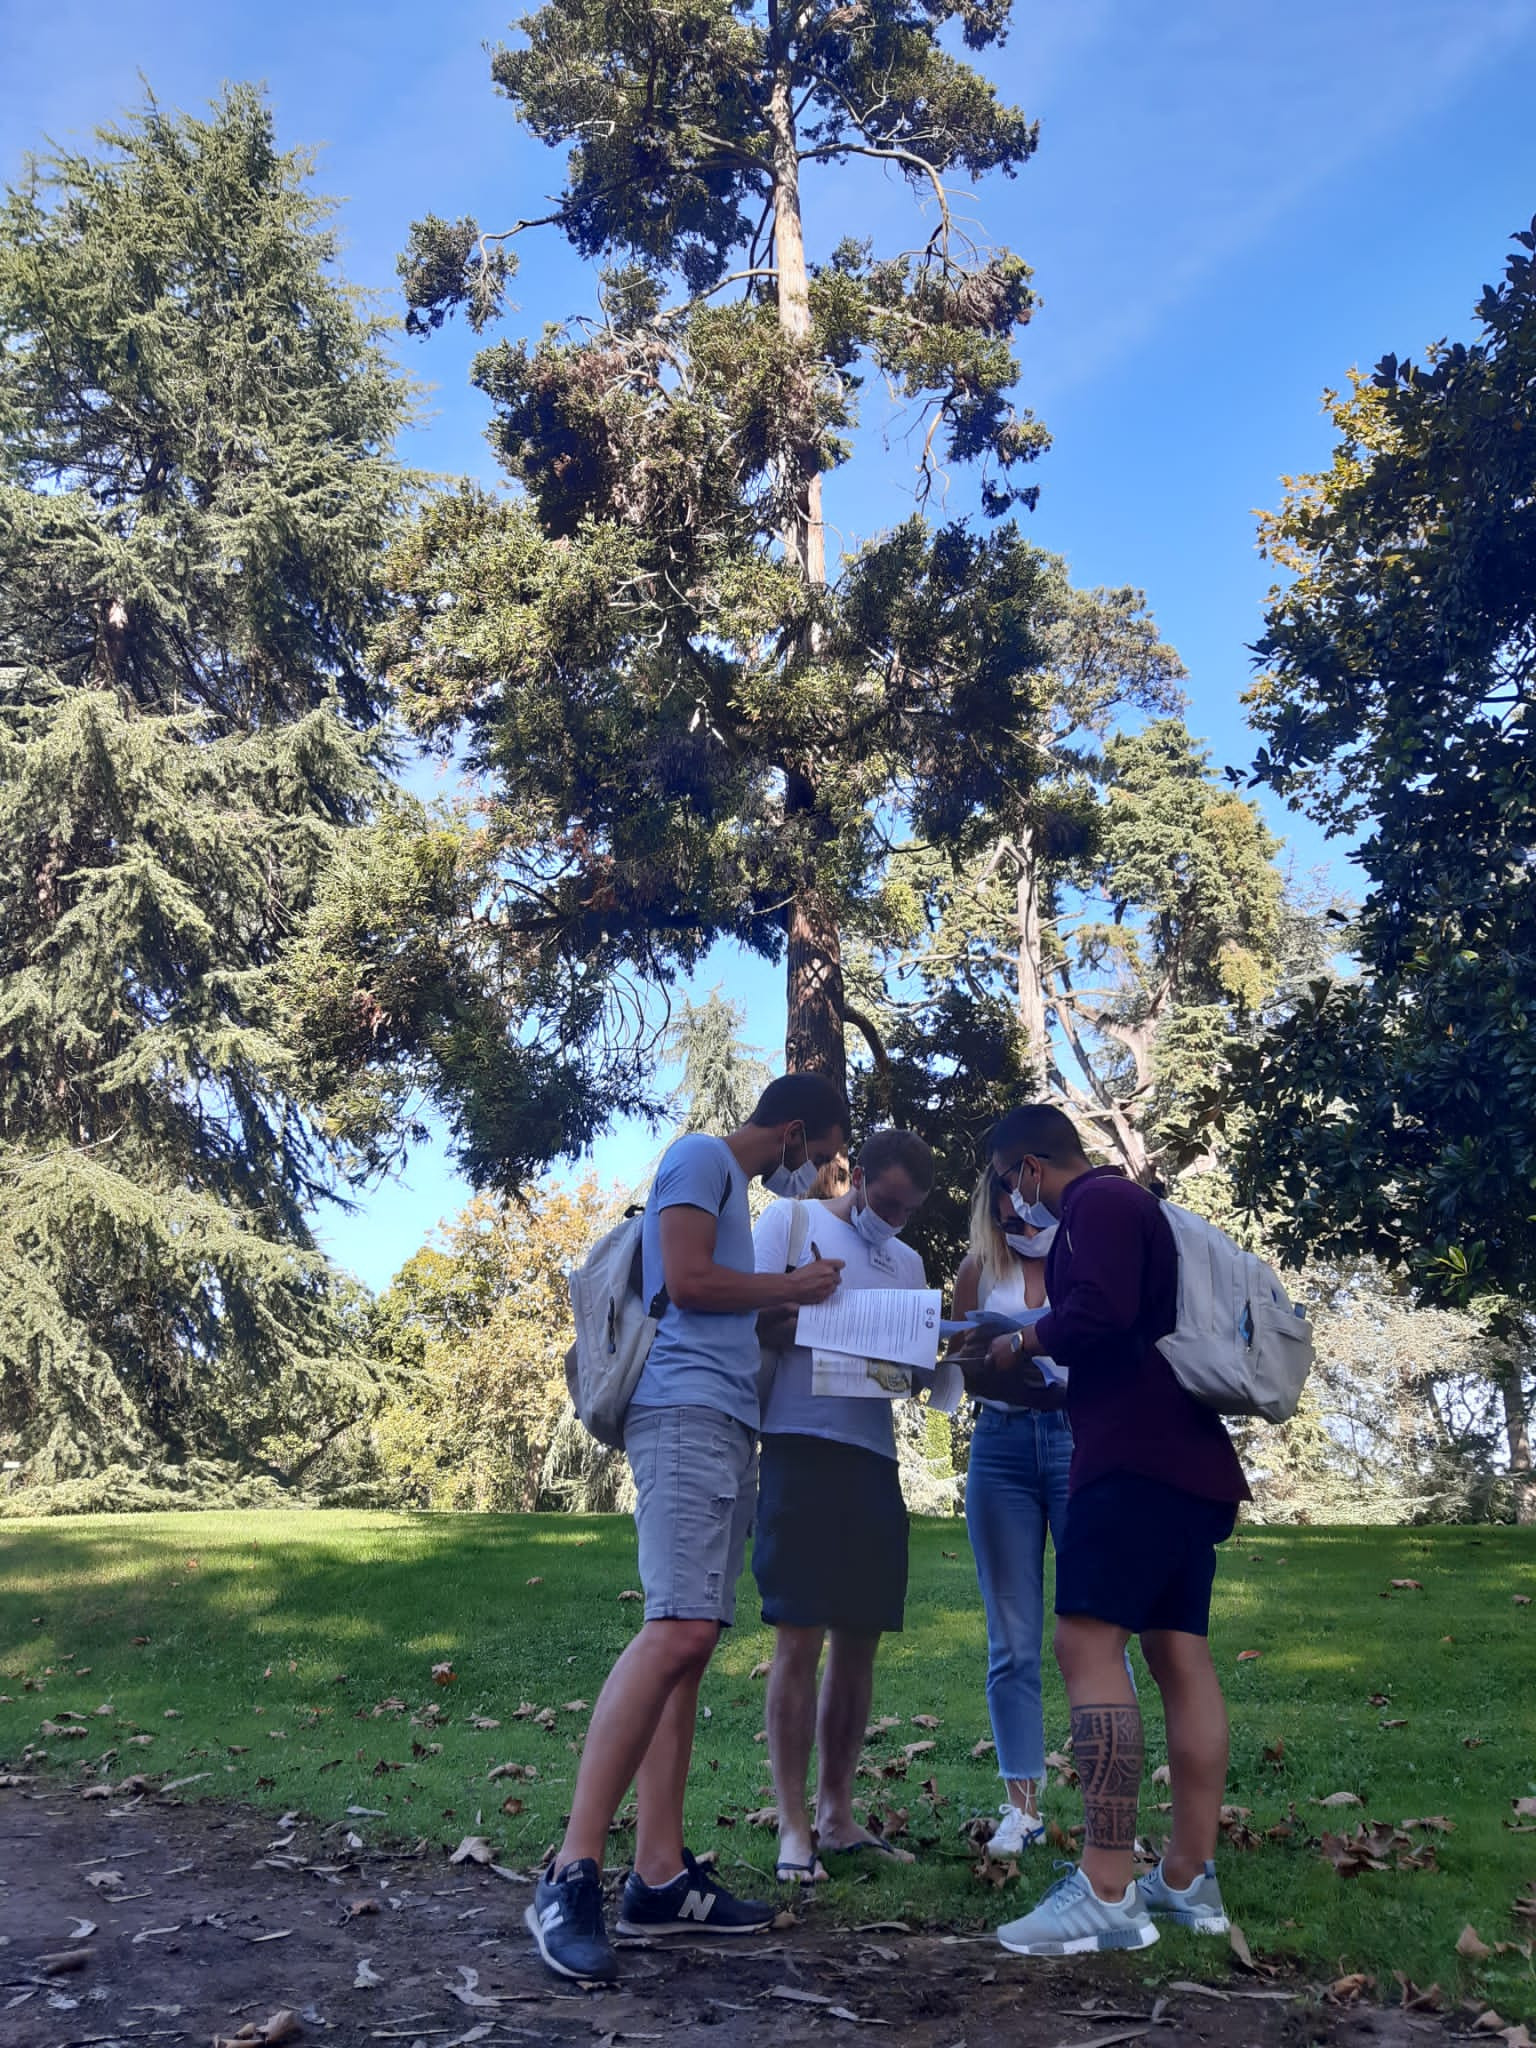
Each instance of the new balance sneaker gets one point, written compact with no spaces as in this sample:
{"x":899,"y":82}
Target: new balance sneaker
{"x":1198,"y":1906}
{"x":566,"y":1921}
{"x":695,"y":1902}
{"x":1016,"y":1832}
{"x":1072,"y":1920}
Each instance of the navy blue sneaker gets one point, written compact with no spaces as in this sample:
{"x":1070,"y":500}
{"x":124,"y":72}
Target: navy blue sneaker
{"x":566,"y":1920}
{"x":693,"y":1903}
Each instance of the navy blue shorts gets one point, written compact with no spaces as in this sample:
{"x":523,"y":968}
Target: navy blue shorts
{"x":831,"y":1543}
{"x":1141,"y":1554}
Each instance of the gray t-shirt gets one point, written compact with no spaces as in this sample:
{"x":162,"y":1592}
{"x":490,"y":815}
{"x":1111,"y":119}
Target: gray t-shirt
{"x":792,"y":1409}
{"x":701,"y":1360}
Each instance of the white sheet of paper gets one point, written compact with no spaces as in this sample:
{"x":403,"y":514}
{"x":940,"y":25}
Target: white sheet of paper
{"x":900,"y":1324}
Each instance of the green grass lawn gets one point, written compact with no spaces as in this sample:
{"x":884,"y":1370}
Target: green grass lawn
{"x":277,"y":1638}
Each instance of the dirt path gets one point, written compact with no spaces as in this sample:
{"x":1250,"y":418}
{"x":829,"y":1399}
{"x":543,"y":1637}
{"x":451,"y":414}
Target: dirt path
{"x":216,"y":1919}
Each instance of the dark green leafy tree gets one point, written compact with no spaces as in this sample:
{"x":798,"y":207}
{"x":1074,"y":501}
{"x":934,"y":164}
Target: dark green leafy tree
{"x":1394,"y":1113}
{"x":687,"y":725}
{"x":195,"y":485}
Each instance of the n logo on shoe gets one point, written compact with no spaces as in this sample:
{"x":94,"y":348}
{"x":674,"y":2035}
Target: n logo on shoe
{"x":550,"y":1917}
{"x":697,"y":1906}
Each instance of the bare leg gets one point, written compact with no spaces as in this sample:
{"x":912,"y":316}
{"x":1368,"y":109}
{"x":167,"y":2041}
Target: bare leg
{"x":627,"y":1716}
{"x":661,"y":1782}
{"x":791,"y":1731}
{"x":847,"y":1688}
{"x":1196,"y":1715}
{"x":1024,"y":1793}
{"x":1106,"y":1746}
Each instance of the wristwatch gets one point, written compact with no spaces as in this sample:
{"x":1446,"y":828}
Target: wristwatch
{"x":1018,"y":1343}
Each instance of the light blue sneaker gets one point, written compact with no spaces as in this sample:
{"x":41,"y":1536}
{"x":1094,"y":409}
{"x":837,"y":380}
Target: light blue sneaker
{"x":1072,"y":1920}
{"x":1198,"y":1906}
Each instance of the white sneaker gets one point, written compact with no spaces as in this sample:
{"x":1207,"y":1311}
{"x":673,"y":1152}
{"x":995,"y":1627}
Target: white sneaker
{"x":1016,"y":1832}
{"x":1072,"y":1920}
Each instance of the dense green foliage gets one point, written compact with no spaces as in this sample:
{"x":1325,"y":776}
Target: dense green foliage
{"x":1395,"y":1112}
{"x":195,"y":485}
{"x":686,"y":725}
{"x":323,"y":1629}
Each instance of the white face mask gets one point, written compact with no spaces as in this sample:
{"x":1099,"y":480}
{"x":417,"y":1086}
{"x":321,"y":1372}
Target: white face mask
{"x":1035,"y":1247}
{"x":874,"y":1229}
{"x":794,"y":1182}
{"x":1032,"y":1212}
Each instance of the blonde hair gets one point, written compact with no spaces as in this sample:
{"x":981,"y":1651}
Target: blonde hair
{"x":989,"y":1246}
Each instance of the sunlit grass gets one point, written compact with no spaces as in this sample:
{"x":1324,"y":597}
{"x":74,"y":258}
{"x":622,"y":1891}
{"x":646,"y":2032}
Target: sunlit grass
{"x":274,"y":1638}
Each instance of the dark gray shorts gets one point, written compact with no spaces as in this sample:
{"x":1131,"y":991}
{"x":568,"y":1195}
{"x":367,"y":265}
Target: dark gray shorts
{"x":695,"y":1497}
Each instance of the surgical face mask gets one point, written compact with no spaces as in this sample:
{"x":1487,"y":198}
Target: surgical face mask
{"x":792,"y":1181}
{"x":1036,"y":1247}
{"x":874,"y":1229}
{"x":1032,"y":1212}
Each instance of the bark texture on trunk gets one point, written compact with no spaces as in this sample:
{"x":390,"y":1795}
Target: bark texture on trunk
{"x":1031,"y":957}
{"x":814,"y":1038}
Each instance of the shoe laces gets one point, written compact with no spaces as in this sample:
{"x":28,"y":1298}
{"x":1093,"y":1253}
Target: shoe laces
{"x":702,"y":1877}
{"x":1069,"y":1880}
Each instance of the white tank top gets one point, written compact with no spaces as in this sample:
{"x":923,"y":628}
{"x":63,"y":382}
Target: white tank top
{"x":1007,"y":1297}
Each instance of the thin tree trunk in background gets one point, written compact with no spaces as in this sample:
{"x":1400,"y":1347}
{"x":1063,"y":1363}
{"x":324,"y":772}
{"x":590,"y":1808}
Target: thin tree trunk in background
{"x":1031,"y":961}
{"x":1517,"y":1427}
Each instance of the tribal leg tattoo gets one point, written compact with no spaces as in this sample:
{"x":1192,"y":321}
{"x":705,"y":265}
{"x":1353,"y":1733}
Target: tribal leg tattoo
{"x":1107,"y":1750}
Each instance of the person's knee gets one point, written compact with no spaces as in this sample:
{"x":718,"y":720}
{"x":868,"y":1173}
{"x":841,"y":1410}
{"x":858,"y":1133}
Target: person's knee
{"x":1175,"y":1659}
{"x":683,"y":1645}
{"x":796,"y":1652}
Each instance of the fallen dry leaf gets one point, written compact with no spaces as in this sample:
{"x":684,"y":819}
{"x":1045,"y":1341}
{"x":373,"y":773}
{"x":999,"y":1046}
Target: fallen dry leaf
{"x":473,"y":1849}
{"x":359,"y":1909}
{"x":1415,"y":2000}
{"x":1525,"y":1905}
{"x":64,"y":1961}
{"x":762,"y":1817}
{"x":1347,"y":1990}
{"x":913,"y":1749}
{"x":482,"y":1722}
{"x":367,"y":1978}
{"x":1163,"y":1775}
{"x":1526,"y":1808}
{"x":1247,"y":1656}
{"x":1339,"y":1799}
{"x":762,"y":1669}
{"x":537,"y":1580}
{"x":282,"y":2026}
{"x":878,"y":1728}
{"x":630,"y":1594}
{"x":1438,"y":1821}
{"x":103,"y":1880}
{"x":1240,"y":1948}
{"x":512,"y":1806}
{"x":1406,"y":1586}
{"x":925,"y":1721}
{"x":984,"y":1749}
{"x":1521,"y":1599}
{"x":1392,"y":1724}
{"x":467,"y":1993}
{"x":443,"y":1674}
{"x":579,"y":1707}
{"x":1470,"y":1943}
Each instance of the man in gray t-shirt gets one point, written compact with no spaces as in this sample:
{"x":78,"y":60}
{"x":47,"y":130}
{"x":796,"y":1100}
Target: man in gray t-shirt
{"x":691,"y":1437}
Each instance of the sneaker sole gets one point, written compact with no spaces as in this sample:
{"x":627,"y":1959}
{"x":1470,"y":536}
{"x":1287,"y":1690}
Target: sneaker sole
{"x":1085,"y":1944}
{"x":1195,"y":1923}
{"x":639,"y":1930}
{"x":531,"y":1922}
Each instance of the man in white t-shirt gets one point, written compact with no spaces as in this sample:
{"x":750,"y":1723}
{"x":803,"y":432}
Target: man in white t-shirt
{"x":830,"y":1554}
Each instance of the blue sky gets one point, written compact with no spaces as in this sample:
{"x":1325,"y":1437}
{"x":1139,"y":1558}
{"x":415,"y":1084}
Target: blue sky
{"x":1231,"y":205}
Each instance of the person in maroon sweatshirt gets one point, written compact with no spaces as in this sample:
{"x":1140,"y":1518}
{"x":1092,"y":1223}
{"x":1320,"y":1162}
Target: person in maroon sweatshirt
{"x":1155,"y":1486}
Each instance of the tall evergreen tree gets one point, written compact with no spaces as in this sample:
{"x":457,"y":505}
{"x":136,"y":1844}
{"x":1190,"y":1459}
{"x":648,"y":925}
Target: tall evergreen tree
{"x":690,"y":726}
{"x":195,"y":483}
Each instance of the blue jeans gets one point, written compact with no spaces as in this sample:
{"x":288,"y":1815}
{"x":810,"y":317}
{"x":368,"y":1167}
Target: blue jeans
{"x":1016,"y":1489}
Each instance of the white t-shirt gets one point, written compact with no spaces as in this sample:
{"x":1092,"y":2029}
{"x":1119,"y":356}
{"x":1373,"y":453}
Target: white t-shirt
{"x":1007,"y":1297}
{"x":792,"y":1409}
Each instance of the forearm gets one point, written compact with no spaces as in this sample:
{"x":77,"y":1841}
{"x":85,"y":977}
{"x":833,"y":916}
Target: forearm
{"x":722,"y":1291}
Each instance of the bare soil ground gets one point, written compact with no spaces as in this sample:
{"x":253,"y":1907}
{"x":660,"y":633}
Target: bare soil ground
{"x":140,"y":1921}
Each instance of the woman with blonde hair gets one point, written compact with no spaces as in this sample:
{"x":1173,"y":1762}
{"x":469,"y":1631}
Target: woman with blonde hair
{"x":1016,"y":1490}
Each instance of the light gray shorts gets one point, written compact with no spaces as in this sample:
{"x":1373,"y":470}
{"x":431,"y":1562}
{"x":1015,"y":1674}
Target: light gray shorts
{"x":695,"y":1498}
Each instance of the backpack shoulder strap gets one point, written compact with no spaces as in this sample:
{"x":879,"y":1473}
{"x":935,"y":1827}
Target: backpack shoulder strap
{"x":799,"y":1231}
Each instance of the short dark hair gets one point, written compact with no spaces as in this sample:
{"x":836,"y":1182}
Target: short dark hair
{"x":1040,"y":1128}
{"x":810,"y":1099}
{"x":884,"y":1149}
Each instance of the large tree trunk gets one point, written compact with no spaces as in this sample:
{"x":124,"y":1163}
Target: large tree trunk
{"x":813,"y":1039}
{"x":1517,"y":1427}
